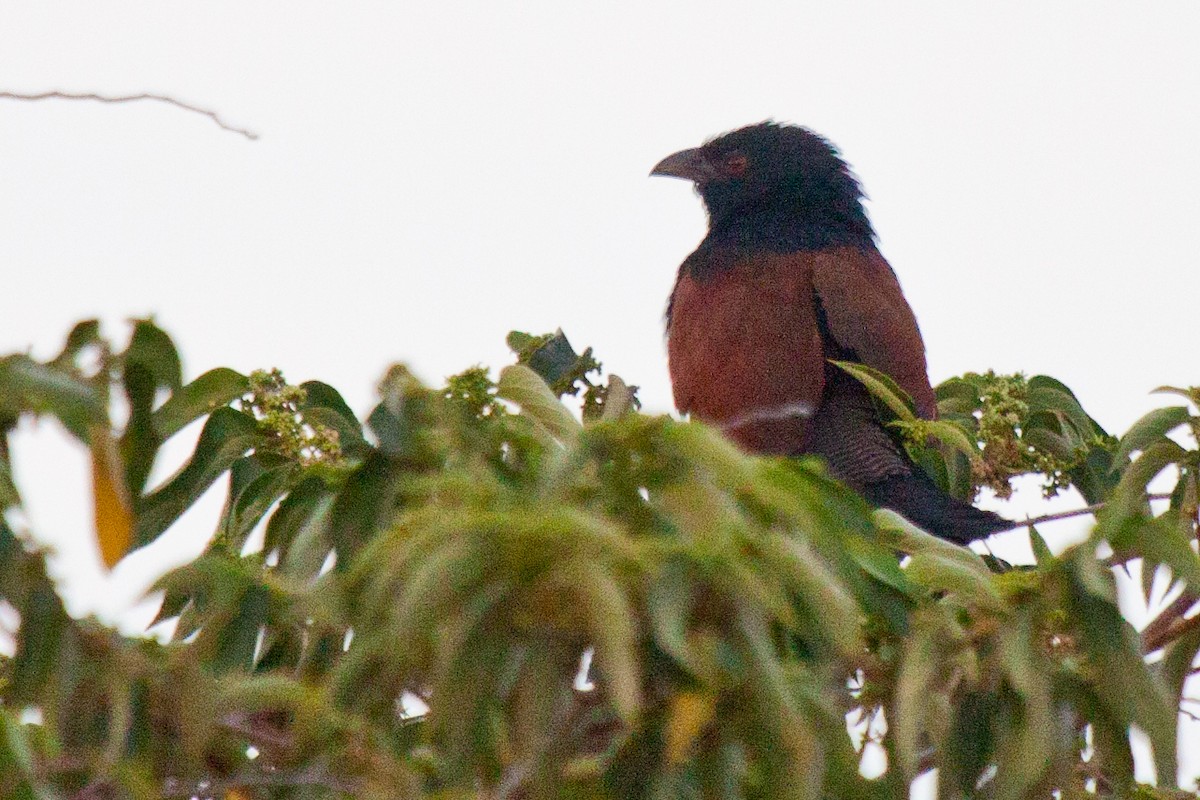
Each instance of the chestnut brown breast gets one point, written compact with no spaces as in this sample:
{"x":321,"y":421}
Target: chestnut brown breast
{"x":745,"y":349}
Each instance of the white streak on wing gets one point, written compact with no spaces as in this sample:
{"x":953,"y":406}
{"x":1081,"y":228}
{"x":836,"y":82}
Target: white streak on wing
{"x":768,"y":414}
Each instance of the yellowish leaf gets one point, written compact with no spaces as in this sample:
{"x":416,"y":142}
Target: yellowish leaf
{"x":690,"y":714}
{"x":114,"y":519}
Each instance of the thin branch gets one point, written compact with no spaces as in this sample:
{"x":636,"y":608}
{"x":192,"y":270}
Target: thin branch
{"x":1077,"y":512}
{"x":56,"y":95}
{"x":1159,"y":636}
{"x":1153,"y":632}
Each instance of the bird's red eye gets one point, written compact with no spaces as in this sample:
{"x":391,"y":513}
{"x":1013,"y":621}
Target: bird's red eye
{"x":734,"y":165}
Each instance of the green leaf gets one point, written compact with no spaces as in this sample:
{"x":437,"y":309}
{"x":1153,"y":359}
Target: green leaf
{"x":236,"y":641}
{"x":611,"y":625}
{"x":1149,"y":429}
{"x":943,"y":573}
{"x":255,"y":482}
{"x":669,"y":604}
{"x":881,"y":387}
{"x":310,"y":545}
{"x":1192,"y":394}
{"x":84,"y":334}
{"x":364,"y":506}
{"x":9,"y":496}
{"x":226,"y":437}
{"x":1041,"y":551}
{"x":212,"y":390}
{"x":324,"y":405}
{"x":139,"y":444}
{"x":908,"y":538}
{"x":1123,"y":682}
{"x":957,"y":396}
{"x":523,"y":386}
{"x":26,"y":385}
{"x":153,"y":348}
{"x":1177,"y":665}
{"x":914,"y":693}
{"x":553,"y":358}
{"x":39,"y":639}
{"x":953,"y":436}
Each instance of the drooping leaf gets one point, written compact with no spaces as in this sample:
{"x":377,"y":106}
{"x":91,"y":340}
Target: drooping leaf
{"x":324,"y":405}
{"x":212,"y":390}
{"x":882,"y":387}
{"x":226,"y":437}
{"x":526,"y":388}
{"x":84,"y":334}
{"x":1149,"y":429}
{"x":111,"y":504}
{"x":39,"y":639}
{"x":28,"y":385}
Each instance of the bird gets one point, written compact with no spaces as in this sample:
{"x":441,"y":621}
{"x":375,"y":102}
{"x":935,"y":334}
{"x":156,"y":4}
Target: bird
{"x":788,"y":278}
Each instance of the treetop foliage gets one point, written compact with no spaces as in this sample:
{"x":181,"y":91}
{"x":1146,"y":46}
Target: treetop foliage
{"x":474,"y":594}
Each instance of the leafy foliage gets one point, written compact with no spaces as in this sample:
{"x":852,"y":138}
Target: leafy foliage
{"x":473,"y":594}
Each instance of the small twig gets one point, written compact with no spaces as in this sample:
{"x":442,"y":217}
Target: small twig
{"x":1163,"y":635}
{"x":1154,"y":634}
{"x":56,"y":95}
{"x":1077,"y":512}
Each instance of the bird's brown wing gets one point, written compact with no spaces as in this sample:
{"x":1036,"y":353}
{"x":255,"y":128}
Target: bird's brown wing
{"x":866,"y":313}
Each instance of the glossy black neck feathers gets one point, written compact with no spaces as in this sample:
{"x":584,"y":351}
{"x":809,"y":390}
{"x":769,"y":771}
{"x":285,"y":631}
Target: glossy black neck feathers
{"x":797,"y":194}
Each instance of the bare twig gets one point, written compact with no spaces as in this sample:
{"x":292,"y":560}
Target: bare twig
{"x":56,"y":95}
{"x":1159,"y":634}
{"x":1154,"y":631}
{"x":1077,"y":512}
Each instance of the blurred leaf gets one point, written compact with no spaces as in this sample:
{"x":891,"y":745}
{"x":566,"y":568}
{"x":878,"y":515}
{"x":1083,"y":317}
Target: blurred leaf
{"x":212,"y":390}
{"x":1179,"y":661}
{"x":1041,"y":551}
{"x":1129,"y":497}
{"x":43,"y":623}
{"x":110,"y":499}
{"x":324,"y":405}
{"x":914,"y":693}
{"x":620,"y":399}
{"x":689,"y":714}
{"x":153,"y":348}
{"x":611,"y":623}
{"x":526,"y":388}
{"x":28,"y":385}
{"x":365,"y":505}
{"x":1123,"y":681}
{"x":941,"y":573}
{"x":84,"y":334}
{"x":226,"y":437}
{"x":1149,"y":429}
{"x":235,"y":648}
{"x":8,"y":490}
{"x":255,"y":483}
{"x":310,"y":544}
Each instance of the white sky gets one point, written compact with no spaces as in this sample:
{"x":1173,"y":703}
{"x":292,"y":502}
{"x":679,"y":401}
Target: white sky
{"x":430,"y":176}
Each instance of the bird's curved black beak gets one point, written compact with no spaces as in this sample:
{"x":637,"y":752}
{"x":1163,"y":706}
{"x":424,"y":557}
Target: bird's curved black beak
{"x":691,"y":165}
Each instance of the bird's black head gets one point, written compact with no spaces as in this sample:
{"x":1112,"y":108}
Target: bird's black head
{"x":777,"y":187}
